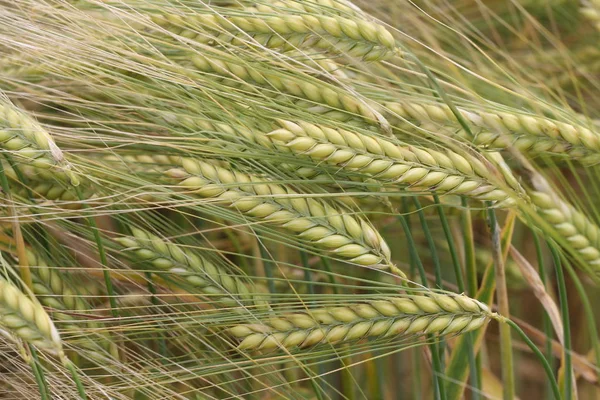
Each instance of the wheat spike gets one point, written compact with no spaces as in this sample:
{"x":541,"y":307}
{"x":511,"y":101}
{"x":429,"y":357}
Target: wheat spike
{"x":591,"y":11}
{"x":29,"y":141}
{"x":313,"y":220}
{"x":54,"y":292}
{"x":196,"y":270}
{"x":405,"y":315}
{"x":357,"y":38}
{"x":499,"y":130}
{"x":335,"y":7}
{"x":311,"y":89}
{"x":576,"y":228}
{"x":27,"y":319}
{"x":384,"y":161}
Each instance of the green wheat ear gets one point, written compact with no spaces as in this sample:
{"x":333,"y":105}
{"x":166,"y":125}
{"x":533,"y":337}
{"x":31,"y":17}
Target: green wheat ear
{"x":29,"y":142}
{"x":199,"y":272}
{"x":315,"y":221}
{"x":384,"y":161}
{"x":27,"y":319}
{"x":405,"y":315}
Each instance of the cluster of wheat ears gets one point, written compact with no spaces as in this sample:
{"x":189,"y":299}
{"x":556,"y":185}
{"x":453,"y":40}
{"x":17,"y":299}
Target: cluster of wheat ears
{"x":303,"y":199}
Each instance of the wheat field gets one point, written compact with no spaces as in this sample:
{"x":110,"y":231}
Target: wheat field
{"x":299,"y":199}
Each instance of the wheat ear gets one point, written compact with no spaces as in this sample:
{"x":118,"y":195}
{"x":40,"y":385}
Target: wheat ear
{"x":357,"y":38}
{"x":499,"y":130}
{"x":29,"y":141}
{"x":316,"y":91}
{"x":384,"y":161}
{"x":54,"y":292}
{"x":309,"y":6}
{"x":591,"y":11}
{"x":202,"y":274}
{"x":313,"y":220}
{"x":576,"y":228}
{"x":405,"y":315}
{"x":27,"y":319}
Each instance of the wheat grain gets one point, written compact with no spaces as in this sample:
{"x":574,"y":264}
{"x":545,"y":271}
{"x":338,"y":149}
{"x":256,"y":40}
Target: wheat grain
{"x":499,"y":130}
{"x":389,"y":317}
{"x":27,"y":319}
{"x":418,"y":168}
{"x":313,"y":220}
{"x":356,"y":38}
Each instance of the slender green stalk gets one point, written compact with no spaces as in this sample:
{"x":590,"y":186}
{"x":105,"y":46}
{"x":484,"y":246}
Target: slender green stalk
{"x":471,"y":274}
{"x":437,"y":349}
{"x":112,"y":298}
{"x":508,"y":378}
{"x":540,"y":356}
{"x":268,"y":265}
{"x":564,"y":309}
{"x":591,"y":322}
{"x":451,"y":245}
{"x":38,"y":373}
{"x":548,"y":331}
{"x":469,"y":248}
{"x":75,"y":375}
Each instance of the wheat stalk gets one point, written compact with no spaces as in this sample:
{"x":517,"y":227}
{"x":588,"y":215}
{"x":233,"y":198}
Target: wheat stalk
{"x":383,"y":161}
{"x":313,"y":220}
{"x":27,"y":319}
{"x":29,"y":141}
{"x":404,"y":315}
{"x":199,"y":272}
{"x":500,"y":130}
{"x":357,"y":38}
